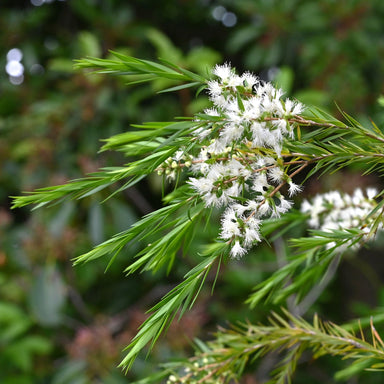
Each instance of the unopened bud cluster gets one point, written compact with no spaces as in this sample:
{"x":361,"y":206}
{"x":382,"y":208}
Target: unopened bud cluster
{"x":197,"y":372}
{"x":174,"y":164}
{"x":336,"y":211}
{"x":238,"y":163}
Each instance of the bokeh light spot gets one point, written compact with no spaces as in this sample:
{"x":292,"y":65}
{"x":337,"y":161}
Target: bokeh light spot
{"x":218,"y":12}
{"x":14,"y":54}
{"x":229,"y":19}
{"x":14,"y":68}
{"x":37,"y":3}
{"x":51,"y":44}
{"x":16,"y":80}
{"x":37,"y":69}
{"x":272,"y":73}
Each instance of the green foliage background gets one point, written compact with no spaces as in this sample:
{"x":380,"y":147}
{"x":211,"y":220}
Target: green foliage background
{"x":60,"y":324}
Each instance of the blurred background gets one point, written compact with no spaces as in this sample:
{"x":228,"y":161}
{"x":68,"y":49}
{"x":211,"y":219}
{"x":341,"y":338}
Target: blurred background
{"x":66,"y":325}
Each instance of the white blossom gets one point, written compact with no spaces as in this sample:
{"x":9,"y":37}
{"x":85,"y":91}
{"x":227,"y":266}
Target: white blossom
{"x":214,"y":88}
{"x":281,"y":208}
{"x":276,"y":174}
{"x":237,"y":250}
{"x":249,"y":78}
{"x":235,"y":157}
{"x":229,"y":225}
{"x":264,"y":208}
{"x":285,"y":205}
{"x":251,"y":236}
{"x":223,"y":71}
{"x":293,"y":108}
{"x":202,"y":185}
{"x":335,"y":211}
{"x":371,"y":193}
{"x":231,"y":132}
{"x":260,"y":183}
{"x":217,"y":146}
{"x":293,"y":188}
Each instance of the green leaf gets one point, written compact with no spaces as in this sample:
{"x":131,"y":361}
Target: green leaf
{"x":13,"y":322}
{"x":180,"y":298}
{"x":47,"y":296}
{"x":23,"y":351}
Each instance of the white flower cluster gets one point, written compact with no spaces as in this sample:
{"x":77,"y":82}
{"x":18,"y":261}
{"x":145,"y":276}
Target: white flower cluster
{"x":239,"y":163}
{"x":335,"y":211}
{"x":251,"y":110}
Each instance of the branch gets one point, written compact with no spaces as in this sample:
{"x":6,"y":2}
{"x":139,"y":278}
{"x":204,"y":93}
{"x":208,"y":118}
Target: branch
{"x":226,"y":357}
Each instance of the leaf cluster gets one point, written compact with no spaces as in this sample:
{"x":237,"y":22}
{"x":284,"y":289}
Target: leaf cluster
{"x":330,"y":144}
{"x":138,"y":71}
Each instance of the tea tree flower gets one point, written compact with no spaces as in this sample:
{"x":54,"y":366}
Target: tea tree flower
{"x":293,"y":188}
{"x":334,"y":210}
{"x":238,"y":154}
